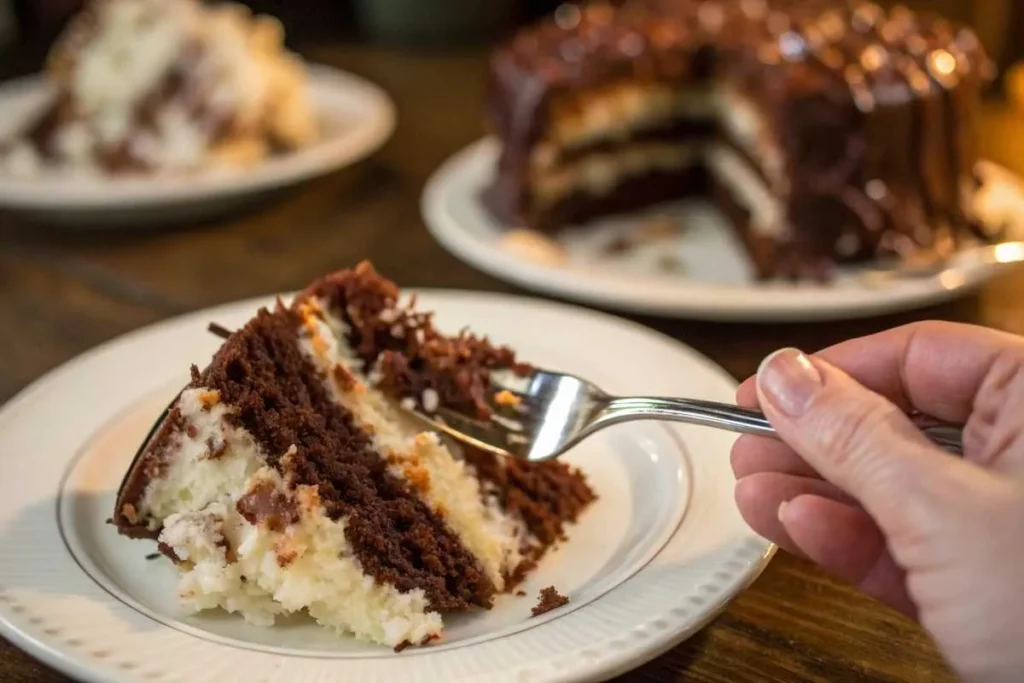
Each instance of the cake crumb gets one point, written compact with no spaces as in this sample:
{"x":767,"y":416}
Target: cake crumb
{"x":345,"y":380}
{"x":617,"y":246}
{"x":548,"y":600}
{"x":129,"y":513}
{"x":657,"y":228}
{"x":218,"y":330}
{"x":670,"y":264}
{"x":426,"y":641}
{"x":507,"y":399}
{"x":520,"y":593}
{"x":534,"y":246}
{"x":209,"y":399}
{"x":431,"y":401}
{"x":215,"y":447}
{"x":153,"y":556}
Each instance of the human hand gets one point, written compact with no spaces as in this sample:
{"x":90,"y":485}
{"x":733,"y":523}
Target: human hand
{"x":858,"y":489}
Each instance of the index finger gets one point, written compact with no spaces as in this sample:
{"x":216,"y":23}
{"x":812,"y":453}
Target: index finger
{"x":937,"y":368}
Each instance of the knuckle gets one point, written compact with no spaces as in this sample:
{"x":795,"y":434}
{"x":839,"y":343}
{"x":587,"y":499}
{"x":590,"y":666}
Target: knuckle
{"x":844,"y":427}
{"x":993,"y":429}
{"x":852,"y":434}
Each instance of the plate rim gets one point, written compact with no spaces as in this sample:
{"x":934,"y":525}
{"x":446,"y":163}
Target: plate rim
{"x":681,"y":298}
{"x":373,"y":129}
{"x":660,"y":638}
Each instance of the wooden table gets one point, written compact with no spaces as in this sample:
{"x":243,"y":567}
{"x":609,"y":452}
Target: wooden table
{"x":64,"y":292}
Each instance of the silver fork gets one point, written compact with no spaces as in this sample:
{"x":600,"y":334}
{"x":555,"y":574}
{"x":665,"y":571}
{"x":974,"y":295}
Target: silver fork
{"x":543,"y":414}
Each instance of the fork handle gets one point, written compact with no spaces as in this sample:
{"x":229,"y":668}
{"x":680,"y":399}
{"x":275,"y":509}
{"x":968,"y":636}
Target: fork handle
{"x":742,"y":420}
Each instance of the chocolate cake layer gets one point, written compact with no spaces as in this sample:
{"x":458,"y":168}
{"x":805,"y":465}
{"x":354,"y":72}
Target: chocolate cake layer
{"x":279,"y":398}
{"x":634,"y":193}
{"x":871,"y":111}
{"x":409,"y":357}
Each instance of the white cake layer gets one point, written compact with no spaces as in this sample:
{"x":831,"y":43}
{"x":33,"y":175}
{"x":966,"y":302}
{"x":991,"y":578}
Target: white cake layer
{"x":600,"y":173}
{"x":767,"y":212}
{"x":260,"y":570}
{"x":618,"y":111}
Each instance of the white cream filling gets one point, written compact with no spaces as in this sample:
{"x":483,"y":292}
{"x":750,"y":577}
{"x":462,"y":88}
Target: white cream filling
{"x":745,"y":125}
{"x":767,"y":212}
{"x":621,"y":111}
{"x":260,"y":572}
{"x":601,"y":172}
{"x":443,"y":482}
{"x":617,"y":112}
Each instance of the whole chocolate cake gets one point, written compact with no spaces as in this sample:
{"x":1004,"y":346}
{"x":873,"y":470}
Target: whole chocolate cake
{"x":828,"y":131}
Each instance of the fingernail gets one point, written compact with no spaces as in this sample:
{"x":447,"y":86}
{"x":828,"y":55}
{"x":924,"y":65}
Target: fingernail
{"x":789,"y":380}
{"x":781,"y":510}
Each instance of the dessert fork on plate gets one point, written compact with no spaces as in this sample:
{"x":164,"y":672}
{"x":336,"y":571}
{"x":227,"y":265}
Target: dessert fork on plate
{"x":541,"y":414}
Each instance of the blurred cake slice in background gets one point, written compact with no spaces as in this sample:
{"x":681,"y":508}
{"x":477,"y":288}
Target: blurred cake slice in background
{"x":166,"y":85}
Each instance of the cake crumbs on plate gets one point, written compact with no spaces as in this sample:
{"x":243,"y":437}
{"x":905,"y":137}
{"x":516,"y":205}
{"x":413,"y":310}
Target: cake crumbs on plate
{"x":426,"y":641}
{"x":520,"y":593}
{"x":548,"y":600}
{"x":507,"y":399}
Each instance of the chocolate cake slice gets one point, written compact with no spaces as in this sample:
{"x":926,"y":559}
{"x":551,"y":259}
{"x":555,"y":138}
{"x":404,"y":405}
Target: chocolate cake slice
{"x":143,"y":86}
{"x":829,"y":131}
{"x":284,"y":479}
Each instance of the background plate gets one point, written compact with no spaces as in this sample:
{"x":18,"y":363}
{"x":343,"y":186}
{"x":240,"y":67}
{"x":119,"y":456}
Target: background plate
{"x":713,"y":280}
{"x":356,"y":115}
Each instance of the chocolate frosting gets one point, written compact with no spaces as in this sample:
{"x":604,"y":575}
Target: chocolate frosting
{"x":872,"y":109}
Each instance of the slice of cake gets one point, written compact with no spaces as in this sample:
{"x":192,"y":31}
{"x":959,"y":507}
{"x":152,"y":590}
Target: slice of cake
{"x":285,"y":479}
{"x":166,"y":85}
{"x":828,"y":131}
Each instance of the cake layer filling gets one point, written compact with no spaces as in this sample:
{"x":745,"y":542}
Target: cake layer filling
{"x":619,"y":111}
{"x":442,"y":482}
{"x":600,"y":173}
{"x":767,"y":211}
{"x":412,"y":363}
{"x":608,"y":120}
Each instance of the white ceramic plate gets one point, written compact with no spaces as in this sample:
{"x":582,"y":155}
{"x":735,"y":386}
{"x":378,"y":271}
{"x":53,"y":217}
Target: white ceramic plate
{"x":657,"y":556}
{"x":356,"y":115}
{"x":712,"y":280}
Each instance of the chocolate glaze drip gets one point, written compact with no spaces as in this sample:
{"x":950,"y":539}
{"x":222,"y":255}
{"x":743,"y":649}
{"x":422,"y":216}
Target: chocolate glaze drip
{"x":872,"y":109}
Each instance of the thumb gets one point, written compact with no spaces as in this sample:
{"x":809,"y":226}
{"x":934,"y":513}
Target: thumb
{"x":853,"y":437}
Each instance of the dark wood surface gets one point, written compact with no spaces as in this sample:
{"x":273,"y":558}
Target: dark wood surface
{"x":62,"y":292}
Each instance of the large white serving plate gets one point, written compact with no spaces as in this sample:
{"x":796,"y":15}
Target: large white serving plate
{"x":713,"y":279}
{"x":657,"y":556}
